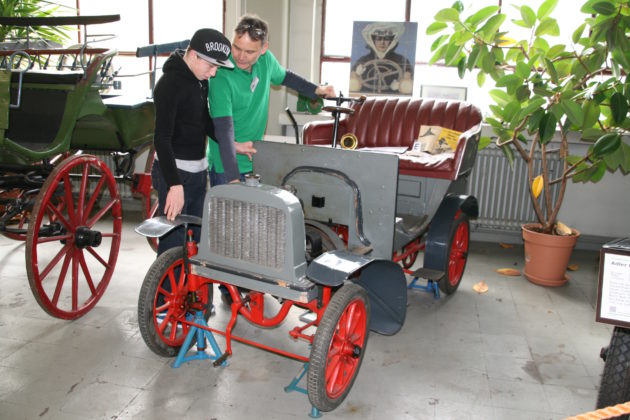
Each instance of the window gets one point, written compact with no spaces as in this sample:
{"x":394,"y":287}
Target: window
{"x":170,"y":24}
{"x":339,"y":16}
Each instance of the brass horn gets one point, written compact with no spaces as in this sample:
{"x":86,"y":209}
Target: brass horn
{"x":349,"y":141}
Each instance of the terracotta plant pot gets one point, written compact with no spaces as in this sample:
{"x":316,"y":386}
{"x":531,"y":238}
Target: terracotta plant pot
{"x":547,"y":256}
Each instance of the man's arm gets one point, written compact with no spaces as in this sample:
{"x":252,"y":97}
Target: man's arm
{"x":298,"y":83}
{"x":224,"y":135}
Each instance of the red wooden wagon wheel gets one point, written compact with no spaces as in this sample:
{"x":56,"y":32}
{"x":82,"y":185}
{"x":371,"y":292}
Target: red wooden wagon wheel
{"x":73,"y":237}
{"x":150,"y":202}
{"x":338,"y":347}
{"x":459,"y":238}
{"x":17,"y":226}
{"x":164,"y":302}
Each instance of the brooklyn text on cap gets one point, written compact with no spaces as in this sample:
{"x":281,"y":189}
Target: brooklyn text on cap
{"x":212,"y":46}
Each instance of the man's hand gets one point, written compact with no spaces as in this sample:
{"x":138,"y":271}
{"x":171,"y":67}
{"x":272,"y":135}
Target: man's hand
{"x":245,"y":148}
{"x":326,"y":91}
{"x":174,"y":201}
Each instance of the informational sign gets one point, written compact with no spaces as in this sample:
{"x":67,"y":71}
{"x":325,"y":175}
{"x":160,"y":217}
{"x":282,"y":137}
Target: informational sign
{"x":613,"y":306}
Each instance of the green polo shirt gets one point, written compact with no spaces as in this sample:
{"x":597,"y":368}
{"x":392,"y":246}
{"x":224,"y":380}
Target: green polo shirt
{"x":243,"y":96}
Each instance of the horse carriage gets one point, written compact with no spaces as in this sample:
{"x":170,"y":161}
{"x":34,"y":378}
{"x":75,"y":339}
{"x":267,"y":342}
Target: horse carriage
{"x":57,"y":116}
{"x":331,"y":231}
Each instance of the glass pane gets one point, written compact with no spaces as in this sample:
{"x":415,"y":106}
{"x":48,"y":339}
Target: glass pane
{"x":129,"y":33}
{"x":423,"y":13}
{"x":173,"y":24}
{"x":340,"y":15}
{"x":336,"y":74}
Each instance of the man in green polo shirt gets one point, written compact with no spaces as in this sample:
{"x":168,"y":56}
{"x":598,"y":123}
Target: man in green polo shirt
{"x":239,"y":99}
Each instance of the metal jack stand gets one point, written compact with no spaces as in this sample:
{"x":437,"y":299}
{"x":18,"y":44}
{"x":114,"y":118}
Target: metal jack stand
{"x":293,"y":386}
{"x":432,"y":276}
{"x":200,"y":335}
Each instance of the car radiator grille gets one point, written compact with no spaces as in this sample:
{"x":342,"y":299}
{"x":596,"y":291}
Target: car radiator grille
{"x":247,"y":231}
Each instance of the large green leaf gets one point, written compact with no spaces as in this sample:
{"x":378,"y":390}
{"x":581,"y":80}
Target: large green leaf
{"x":606,"y":144}
{"x":547,"y":127}
{"x":618,"y":107}
{"x":528,"y":15}
{"x":488,"y":31}
{"x":473,"y":56}
{"x":447,"y":15}
{"x":548,"y":26}
{"x":435,"y":27}
{"x":461,"y":67}
{"x":509,"y":154}
{"x":551,"y":70}
{"x":604,"y":8}
{"x":614,"y":160}
{"x":438,"y":41}
{"x":546,"y":8}
{"x":522,"y":70}
{"x":577,"y":34}
{"x":573,"y":111}
{"x":500,"y":97}
{"x":482,"y":15}
{"x":625,"y":166}
{"x":592,"y":134}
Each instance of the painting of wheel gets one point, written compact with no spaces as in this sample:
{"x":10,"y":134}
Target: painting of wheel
{"x":338,"y":347}
{"x":73,"y":237}
{"x":165,"y":301}
{"x":615,"y":383}
{"x":459,"y":239}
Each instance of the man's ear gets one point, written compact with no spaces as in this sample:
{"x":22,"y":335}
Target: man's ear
{"x":265,"y":48}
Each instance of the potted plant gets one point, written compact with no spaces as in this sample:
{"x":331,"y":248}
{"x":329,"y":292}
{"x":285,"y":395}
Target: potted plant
{"x":545,"y":90}
{"x":31,"y":8}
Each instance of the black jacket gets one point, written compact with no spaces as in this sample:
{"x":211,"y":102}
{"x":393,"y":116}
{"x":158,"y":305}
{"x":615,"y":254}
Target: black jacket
{"x":182,"y":120}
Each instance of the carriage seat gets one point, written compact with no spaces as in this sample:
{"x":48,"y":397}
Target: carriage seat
{"x":36,"y":122}
{"x":395,"y":122}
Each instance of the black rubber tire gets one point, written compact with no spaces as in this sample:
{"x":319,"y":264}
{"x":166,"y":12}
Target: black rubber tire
{"x":146,"y":300}
{"x":615,"y":384}
{"x":449,"y":283}
{"x":316,"y":379}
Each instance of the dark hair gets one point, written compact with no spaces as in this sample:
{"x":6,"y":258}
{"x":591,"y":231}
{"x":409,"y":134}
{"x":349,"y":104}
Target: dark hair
{"x":255,"y":27}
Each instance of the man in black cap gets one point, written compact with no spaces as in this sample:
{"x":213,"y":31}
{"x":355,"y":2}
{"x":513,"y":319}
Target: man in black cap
{"x":182,"y":123}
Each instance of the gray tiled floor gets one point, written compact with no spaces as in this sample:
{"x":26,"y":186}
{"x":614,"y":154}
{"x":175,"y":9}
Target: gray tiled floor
{"x":519,"y":351}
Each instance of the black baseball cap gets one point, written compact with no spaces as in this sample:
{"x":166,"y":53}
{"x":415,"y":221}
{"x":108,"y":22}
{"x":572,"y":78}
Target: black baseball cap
{"x":212,"y":46}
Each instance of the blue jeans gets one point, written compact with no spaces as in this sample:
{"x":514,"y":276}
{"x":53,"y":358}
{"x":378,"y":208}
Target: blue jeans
{"x":195,"y":185}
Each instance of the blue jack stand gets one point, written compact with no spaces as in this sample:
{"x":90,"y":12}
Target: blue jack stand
{"x":431,"y":287}
{"x":293,"y":386}
{"x":200,"y":335}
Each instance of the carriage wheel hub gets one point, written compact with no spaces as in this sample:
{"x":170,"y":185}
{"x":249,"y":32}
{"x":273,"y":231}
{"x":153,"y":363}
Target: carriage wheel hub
{"x":84,"y":236}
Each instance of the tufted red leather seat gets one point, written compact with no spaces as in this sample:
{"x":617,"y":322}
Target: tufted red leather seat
{"x":396,"y":121}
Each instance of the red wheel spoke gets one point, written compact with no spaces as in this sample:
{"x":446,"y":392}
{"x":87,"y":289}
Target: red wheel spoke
{"x":109,"y":235}
{"x":63,"y":251}
{"x":95,"y":194}
{"x":57,"y":216}
{"x":75,"y":280}
{"x":160,"y":309}
{"x":61,"y":279}
{"x":162,"y":326}
{"x":92,"y":221}
{"x":86,"y":272}
{"x":98,"y":257}
{"x":173,"y":323}
{"x":67,"y":186}
{"x":58,"y":238}
{"x":82,"y":191}
{"x":165,"y":292}
{"x":332,"y":373}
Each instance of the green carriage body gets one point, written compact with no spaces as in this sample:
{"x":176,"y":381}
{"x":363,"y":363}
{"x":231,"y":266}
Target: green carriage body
{"x":65,"y":111}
